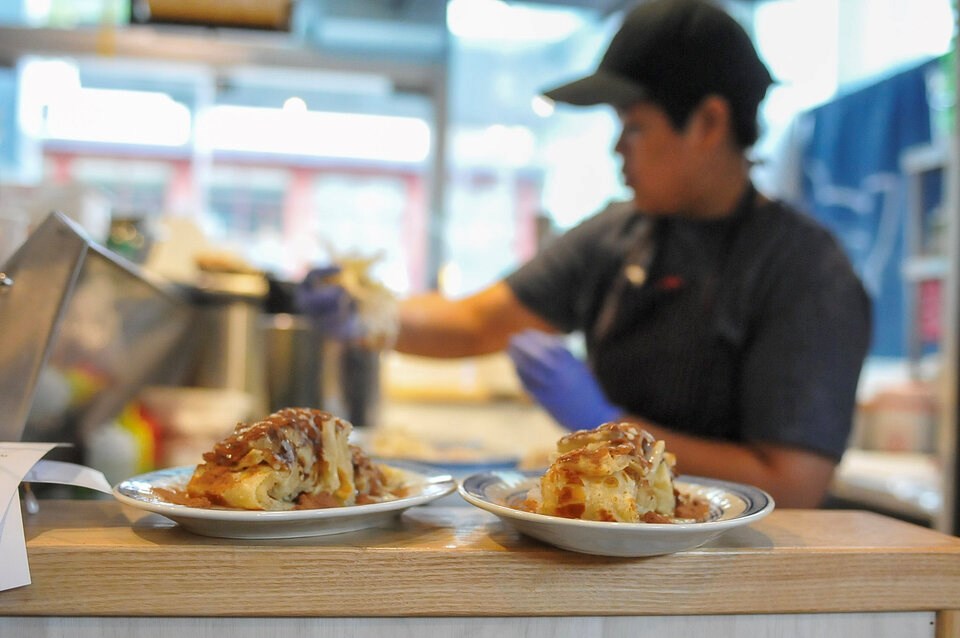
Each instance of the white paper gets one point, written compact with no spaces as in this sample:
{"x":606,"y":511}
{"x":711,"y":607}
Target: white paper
{"x":68,"y":474}
{"x":16,"y":459}
{"x":21,"y":462}
{"x":14,"y":569}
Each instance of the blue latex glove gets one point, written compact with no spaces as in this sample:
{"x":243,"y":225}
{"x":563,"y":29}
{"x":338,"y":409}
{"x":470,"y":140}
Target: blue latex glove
{"x":560,"y":382}
{"x":328,"y":304}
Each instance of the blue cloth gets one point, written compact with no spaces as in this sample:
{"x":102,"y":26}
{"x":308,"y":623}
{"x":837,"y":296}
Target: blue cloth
{"x":852,"y":182}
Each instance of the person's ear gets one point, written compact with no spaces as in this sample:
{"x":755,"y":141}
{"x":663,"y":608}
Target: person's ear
{"x":712,"y":121}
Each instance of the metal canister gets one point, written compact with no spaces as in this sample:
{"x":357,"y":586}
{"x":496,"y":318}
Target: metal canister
{"x":307,"y":369}
{"x":228,"y":340}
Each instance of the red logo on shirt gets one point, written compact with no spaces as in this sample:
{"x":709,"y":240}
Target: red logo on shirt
{"x":670,"y":282}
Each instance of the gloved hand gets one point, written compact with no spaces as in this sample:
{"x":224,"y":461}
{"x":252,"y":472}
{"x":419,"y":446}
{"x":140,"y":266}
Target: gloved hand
{"x":560,"y":382}
{"x":328,"y":304}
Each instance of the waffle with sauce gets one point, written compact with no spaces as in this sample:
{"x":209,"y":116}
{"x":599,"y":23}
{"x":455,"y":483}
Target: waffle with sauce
{"x":617,"y":472}
{"x":296,"y":458}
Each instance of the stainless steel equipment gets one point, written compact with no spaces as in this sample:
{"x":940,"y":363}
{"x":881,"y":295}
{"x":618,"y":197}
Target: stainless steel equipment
{"x":82,"y":331}
{"x":292,"y":356}
{"x":350,"y":383}
{"x":229,"y":350}
{"x":306,"y":369}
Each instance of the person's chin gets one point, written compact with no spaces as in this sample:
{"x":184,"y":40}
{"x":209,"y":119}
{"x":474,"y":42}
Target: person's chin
{"x":647,"y":207}
{"x":640,"y":203}
{"x":633,"y":194}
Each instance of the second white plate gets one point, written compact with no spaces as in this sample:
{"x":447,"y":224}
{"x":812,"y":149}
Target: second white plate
{"x":731,"y":505}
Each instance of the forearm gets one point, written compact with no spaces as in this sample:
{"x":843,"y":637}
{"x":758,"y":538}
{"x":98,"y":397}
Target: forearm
{"x":434,"y":326}
{"x":795,"y":478}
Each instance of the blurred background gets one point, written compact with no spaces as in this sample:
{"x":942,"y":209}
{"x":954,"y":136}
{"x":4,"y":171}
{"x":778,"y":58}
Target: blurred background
{"x":274,"y":135}
{"x":412,"y":127}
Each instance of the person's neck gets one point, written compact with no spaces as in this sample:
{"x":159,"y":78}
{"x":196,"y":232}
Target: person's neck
{"x":724,"y":186}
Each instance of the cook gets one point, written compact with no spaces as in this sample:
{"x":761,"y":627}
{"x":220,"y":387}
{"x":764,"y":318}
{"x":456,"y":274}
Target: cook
{"x":728,"y":324}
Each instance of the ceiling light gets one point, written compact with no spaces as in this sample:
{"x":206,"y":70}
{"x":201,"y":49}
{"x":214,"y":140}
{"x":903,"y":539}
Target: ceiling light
{"x":498,"y":21}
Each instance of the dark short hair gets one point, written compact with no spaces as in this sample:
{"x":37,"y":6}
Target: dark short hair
{"x":675,"y":53}
{"x":743,"y":115}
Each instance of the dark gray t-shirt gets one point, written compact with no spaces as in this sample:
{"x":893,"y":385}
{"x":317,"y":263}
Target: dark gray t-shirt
{"x":750,"y":328}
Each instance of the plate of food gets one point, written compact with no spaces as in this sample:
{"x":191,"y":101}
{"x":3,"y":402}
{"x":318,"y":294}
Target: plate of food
{"x":289,"y":475}
{"x":612,"y":491}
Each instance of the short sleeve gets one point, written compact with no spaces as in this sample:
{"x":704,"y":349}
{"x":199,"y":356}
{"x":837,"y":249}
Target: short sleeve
{"x":564,"y":282}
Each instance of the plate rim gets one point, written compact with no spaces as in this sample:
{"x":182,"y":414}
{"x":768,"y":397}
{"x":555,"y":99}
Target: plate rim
{"x":475,"y":498}
{"x":175,"y":511}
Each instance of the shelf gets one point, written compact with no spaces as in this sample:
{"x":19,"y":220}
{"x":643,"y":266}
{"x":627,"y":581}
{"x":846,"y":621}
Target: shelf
{"x":217,"y":49}
{"x":925,"y":268}
{"x":925,"y":158}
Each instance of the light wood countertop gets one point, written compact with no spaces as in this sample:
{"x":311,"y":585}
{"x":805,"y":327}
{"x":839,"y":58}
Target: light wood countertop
{"x":98,"y":558}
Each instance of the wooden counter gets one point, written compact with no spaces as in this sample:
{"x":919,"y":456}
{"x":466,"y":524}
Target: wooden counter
{"x":836,"y":569}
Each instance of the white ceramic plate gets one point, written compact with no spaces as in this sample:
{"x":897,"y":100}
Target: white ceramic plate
{"x":731,"y":505}
{"x":425,"y":485}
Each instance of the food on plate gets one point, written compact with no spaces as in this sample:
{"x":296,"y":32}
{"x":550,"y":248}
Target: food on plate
{"x":617,"y":472}
{"x":296,"y":458}
{"x":376,"y":304}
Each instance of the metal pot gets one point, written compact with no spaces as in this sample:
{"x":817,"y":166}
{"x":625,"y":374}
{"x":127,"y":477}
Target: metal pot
{"x":305,"y":369}
{"x":228,"y":344}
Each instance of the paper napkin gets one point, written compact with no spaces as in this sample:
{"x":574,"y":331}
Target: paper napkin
{"x":21,"y":462}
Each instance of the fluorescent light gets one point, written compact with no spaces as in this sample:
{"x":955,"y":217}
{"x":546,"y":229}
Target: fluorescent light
{"x":496,"y":20}
{"x":495,"y":145}
{"x":316,"y":133}
{"x":118,"y":117}
{"x":44,"y":82}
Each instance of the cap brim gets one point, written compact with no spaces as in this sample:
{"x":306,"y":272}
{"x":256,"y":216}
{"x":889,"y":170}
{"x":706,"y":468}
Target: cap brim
{"x":602,"y":87}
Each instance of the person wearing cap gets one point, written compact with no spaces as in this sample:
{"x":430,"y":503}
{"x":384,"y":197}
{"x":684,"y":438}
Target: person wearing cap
{"x":726,"y":323}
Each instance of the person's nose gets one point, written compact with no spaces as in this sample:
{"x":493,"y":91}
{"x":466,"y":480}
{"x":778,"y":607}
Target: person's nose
{"x":618,"y":146}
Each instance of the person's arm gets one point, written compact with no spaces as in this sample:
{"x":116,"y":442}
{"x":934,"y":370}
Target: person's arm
{"x":794,"y":477}
{"x":550,"y":292}
{"x":568,"y":391}
{"x":435,"y":326}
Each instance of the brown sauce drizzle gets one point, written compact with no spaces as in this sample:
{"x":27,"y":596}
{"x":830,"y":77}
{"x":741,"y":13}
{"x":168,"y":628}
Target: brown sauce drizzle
{"x":239,"y":443}
{"x":280,"y":453}
{"x":316,"y":501}
{"x":691,"y":507}
{"x":688,"y":508}
{"x":180,"y":497}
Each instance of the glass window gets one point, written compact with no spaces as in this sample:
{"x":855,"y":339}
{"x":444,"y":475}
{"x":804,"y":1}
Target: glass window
{"x":137,"y":188}
{"x":348,"y":158}
{"x":364,"y":216}
{"x":513,"y":157}
{"x":245,"y":210}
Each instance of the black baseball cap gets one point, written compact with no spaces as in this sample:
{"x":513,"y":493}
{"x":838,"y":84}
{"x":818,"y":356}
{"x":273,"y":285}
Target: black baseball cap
{"x":674,"y":51}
